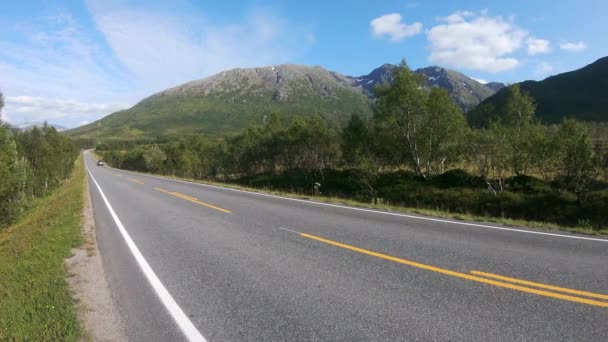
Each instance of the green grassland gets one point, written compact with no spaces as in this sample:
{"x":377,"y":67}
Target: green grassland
{"x":35,"y":302}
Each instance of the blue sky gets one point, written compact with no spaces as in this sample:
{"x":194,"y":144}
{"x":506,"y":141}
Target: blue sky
{"x":72,"y":62}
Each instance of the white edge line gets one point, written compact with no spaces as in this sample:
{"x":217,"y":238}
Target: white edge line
{"x":375,"y":211}
{"x":182,"y":320}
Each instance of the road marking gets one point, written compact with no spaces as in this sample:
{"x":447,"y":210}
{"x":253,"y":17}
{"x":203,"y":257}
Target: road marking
{"x":136,"y":180}
{"x":541,"y":285}
{"x":180,"y":194}
{"x":178,"y":315}
{"x":456,"y":274}
{"x":289,"y":230}
{"x":188,"y":198}
{"x":477,"y":225}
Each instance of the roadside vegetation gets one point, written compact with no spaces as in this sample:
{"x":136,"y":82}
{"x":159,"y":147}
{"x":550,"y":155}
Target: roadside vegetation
{"x":35,"y":302}
{"x":32,"y":163}
{"x":417,"y":150}
{"x":41,"y":200}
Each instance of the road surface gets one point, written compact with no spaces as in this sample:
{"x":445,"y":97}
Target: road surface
{"x":194,"y":262}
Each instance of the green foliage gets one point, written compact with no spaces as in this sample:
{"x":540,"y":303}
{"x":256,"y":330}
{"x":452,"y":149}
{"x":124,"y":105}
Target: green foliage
{"x":14,"y":179}
{"x":574,"y":162}
{"x":32,"y":163}
{"x":357,"y":142}
{"x":154,"y":158}
{"x":35,"y":301}
{"x":422,"y":128}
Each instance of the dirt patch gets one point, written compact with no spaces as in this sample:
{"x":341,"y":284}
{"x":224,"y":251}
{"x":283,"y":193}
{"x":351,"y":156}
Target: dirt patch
{"x":96,"y":311}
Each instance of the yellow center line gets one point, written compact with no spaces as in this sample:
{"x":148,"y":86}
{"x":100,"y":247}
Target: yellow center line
{"x":458,"y":274}
{"x":176,"y":194}
{"x":136,"y":180}
{"x":189,"y":197}
{"x":541,"y":285}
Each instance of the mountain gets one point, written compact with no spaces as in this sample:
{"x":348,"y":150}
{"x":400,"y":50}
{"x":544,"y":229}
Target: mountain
{"x":29,"y":125}
{"x":380,"y":76}
{"x":465,"y":91}
{"x":581,"y":94}
{"x":232,"y":100}
{"x":496,"y":86}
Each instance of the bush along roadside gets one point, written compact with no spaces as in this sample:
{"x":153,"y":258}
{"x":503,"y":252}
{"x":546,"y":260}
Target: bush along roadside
{"x":35,"y":301}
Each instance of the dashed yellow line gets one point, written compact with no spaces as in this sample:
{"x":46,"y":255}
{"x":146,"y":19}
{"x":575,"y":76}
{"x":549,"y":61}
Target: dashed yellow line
{"x":194,"y":200}
{"x":136,"y":180}
{"x":463,"y":275}
{"x":186,"y":196}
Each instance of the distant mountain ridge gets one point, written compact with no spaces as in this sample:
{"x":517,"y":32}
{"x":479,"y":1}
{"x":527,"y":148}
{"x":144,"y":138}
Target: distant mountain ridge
{"x":231,"y":100}
{"x":465,"y":91}
{"x":30,"y":125}
{"x":581,"y":94}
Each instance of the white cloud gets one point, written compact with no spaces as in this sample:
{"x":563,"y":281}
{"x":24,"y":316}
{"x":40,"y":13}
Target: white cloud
{"x":391,"y":25}
{"x":55,"y":58}
{"x":543,"y":69}
{"x":37,"y":109}
{"x":476,"y":42}
{"x":163,"y":49}
{"x":538,"y":46}
{"x":573,"y":47}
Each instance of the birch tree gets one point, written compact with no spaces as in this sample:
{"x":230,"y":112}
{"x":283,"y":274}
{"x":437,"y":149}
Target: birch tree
{"x":422,"y":128}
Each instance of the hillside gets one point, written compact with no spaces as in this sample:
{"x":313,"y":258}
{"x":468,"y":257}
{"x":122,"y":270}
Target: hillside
{"x":580,"y":94}
{"x":465,"y":91}
{"x":229,"y":101}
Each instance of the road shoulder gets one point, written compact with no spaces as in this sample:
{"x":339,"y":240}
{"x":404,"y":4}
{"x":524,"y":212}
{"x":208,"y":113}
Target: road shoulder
{"x":96,"y":310}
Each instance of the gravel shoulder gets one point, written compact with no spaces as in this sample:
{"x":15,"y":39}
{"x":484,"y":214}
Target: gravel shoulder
{"x":96,"y":310}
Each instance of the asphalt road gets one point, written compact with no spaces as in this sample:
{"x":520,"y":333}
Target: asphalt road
{"x":189,"y":261}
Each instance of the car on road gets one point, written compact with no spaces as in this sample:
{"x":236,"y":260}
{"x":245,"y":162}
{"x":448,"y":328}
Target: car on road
{"x":100,"y":163}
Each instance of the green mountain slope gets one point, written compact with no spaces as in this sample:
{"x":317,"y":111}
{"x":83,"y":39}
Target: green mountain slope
{"x":231,"y":100}
{"x":581,"y":94}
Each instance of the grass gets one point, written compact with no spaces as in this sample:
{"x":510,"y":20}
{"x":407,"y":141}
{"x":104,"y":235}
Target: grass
{"x":407,"y":210}
{"x":35,"y":301}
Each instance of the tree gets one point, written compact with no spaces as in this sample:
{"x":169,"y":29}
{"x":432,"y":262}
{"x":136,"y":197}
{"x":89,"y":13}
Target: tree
{"x":575,"y":160}
{"x":602,"y":161}
{"x":274,"y":124}
{"x":422,"y":128}
{"x":519,"y":108}
{"x":487,"y":149}
{"x":356,"y":142}
{"x":482,"y":115}
{"x":519,"y":118}
{"x":13,"y":178}
{"x":154,"y":158}
{"x":442,"y":132}
{"x":311,"y":144}
{"x":399,"y":116}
